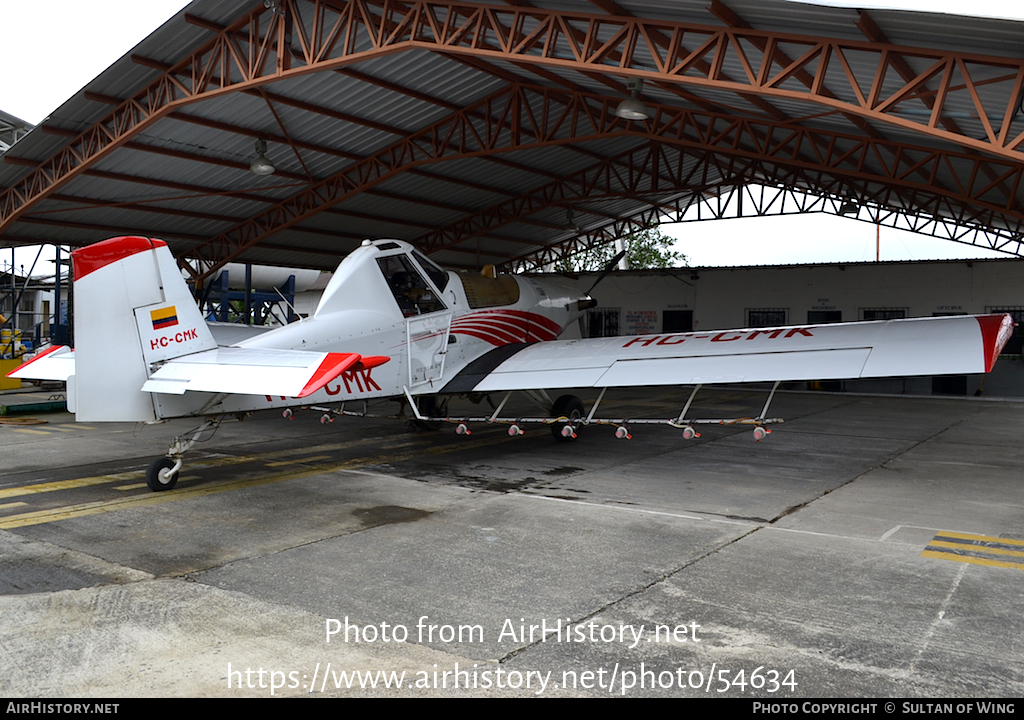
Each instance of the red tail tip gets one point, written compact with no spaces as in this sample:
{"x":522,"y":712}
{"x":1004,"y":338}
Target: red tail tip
{"x":92,"y":257}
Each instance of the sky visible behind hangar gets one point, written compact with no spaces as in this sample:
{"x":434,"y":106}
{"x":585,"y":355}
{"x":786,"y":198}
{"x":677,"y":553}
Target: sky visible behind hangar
{"x":55,"y":47}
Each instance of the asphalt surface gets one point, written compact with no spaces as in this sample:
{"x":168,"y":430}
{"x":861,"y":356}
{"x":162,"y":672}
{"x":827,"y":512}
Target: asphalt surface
{"x":869,"y":547}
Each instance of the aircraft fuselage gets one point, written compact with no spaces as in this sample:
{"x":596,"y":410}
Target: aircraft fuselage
{"x":386,"y":299}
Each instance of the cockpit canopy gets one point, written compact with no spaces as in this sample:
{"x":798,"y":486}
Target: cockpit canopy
{"x":413,"y":293}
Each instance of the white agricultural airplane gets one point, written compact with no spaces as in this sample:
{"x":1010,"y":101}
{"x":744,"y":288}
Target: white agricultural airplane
{"x":392,"y":324}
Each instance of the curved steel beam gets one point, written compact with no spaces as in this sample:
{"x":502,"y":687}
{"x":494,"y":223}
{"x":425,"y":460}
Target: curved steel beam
{"x":313,"y":35}
{"x":522,"y":117}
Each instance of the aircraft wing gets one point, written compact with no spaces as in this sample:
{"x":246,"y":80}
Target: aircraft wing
{"x":919,"y":346}
{"x":56,"y":363}
{"x":254,"y":371}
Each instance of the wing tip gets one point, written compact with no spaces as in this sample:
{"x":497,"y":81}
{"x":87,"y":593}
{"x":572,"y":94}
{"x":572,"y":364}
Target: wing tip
{"x":371,"y":361}
{"x":996,"y":330}
{"x":333,"y":365}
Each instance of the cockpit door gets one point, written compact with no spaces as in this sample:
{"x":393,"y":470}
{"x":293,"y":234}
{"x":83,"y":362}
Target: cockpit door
{"x":427,"y":338}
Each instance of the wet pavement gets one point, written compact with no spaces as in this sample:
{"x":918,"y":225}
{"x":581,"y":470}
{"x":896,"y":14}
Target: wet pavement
{"x":869,"y":547}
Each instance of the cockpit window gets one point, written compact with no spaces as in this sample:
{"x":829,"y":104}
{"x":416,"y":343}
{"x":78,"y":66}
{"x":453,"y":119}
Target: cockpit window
{"x":439,"y":276}
{"x":411,"y":291}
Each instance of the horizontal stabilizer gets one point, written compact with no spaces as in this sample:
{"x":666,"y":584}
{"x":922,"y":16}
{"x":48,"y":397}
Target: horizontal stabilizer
{"x":255,"y":371}
{"x":56,"y":363}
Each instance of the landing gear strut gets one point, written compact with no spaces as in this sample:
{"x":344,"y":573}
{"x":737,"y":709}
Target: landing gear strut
{"x":569,"y":411}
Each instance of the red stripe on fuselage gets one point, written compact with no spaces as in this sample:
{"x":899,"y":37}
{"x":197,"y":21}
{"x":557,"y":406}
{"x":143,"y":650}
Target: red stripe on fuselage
{"x":490,"y":336}
{"x":501,"y":327}
{"x":544,"y":322}
{"x":518,"y":324}
{"x":519,"y":331}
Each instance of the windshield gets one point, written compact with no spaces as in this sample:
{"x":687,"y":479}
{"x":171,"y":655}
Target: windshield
{"x":412,"y":293}
{"x":437,"y":275}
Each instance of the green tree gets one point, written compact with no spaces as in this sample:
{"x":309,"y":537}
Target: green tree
{"x":647,"y":248}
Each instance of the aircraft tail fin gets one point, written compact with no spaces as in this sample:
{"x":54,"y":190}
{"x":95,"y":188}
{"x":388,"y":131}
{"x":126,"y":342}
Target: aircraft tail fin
{"x":132,"y":309}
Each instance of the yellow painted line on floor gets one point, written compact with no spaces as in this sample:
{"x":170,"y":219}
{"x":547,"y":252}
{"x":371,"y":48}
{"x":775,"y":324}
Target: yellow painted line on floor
{"x":972,"y":560}
{"x":979,"y":538}
{"x":12,"y":505}
{"x":40,"y":517}
{"x":136,"y":486}
{"x":220,"y":462}
{"x":30,"y":432}
{"x":70,"y":484}
{"x":296,"y":461}
{"x":976,"y":550}
{"x":112,"y":478}
{"x":198,"y":465}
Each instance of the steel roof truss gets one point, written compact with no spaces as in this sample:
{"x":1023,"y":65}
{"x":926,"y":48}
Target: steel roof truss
{"x":648,"y":48}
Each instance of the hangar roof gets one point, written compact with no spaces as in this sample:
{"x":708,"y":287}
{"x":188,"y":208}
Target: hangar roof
{"x":12,"y":129}
{"x":485,"y":132}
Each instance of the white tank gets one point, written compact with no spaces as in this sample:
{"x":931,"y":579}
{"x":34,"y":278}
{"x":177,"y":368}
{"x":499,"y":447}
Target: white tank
{"x":266,"y":277}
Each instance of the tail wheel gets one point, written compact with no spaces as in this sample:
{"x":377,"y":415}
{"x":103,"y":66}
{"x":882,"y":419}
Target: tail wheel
{"x":159,"y":477}
{"x":571,"y":407}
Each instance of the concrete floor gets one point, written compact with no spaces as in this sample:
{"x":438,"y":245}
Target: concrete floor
{"x":870,"y":547}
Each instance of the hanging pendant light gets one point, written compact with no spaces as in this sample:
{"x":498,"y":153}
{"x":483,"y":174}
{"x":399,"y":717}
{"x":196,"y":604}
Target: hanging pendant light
{"x":261,"y":165}
{"x":631,"y":108}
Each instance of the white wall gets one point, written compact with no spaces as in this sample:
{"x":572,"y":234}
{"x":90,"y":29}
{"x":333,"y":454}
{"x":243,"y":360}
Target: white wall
{"x":720,"y":297}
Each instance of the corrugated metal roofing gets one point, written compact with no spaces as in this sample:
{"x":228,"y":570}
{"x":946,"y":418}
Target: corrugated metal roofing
{"x":185,"y":178}
{"x":12,"y":129}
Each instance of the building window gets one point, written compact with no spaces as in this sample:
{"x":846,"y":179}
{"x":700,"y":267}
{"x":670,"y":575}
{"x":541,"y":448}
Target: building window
{"x":603,"y":322}
{"x":1016,"y":341}
{"x":882,"y":313}
{"x":824,"y":317}
{"x":677,"y":321}
{"x":766,"y":317}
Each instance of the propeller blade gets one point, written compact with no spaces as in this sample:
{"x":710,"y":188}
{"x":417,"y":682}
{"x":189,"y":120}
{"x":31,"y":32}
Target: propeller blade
{"x":607,"y":269}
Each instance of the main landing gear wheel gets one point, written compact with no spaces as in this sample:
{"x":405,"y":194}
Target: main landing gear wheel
{"x":159,"y":477}
{"x":571,"y":407}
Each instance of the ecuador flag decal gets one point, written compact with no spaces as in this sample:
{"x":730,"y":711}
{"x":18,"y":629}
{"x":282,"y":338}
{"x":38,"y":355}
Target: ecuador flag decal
{"x":164,"y":317}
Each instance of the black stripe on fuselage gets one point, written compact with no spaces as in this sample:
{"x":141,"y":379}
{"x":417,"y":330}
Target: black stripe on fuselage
{"x":471,"y":375}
